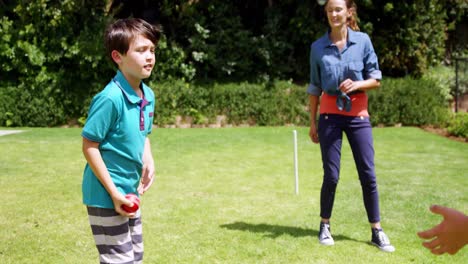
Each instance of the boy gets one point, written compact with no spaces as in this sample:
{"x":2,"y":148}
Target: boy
{"x":115,"y":143}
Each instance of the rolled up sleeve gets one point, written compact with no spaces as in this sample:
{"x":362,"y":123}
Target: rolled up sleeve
{"x":371,"y":63}
{"x":314,"y":87}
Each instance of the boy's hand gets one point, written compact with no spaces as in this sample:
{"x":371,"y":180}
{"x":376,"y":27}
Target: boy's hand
{"x":120,"y":200}
{"x":147,"y":177}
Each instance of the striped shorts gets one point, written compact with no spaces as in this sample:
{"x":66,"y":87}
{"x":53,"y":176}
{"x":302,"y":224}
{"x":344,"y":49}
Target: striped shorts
{"x":118,"y":239}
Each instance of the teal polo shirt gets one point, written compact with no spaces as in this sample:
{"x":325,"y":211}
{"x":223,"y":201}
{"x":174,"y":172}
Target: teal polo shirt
{"x":119,"y":120}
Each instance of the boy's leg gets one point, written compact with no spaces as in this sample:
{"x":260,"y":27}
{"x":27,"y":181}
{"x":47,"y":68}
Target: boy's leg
{"x":136,"y":231}
{"x":112,"y":235}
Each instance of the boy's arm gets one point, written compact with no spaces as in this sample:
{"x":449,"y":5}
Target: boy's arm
{"x":147,"y":175}
{"x":94,"y":159}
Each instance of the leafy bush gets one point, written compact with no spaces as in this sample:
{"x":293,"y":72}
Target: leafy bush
{"x":54,"y":58}
{"x":458,"y":125}
{"x":408,"y":101}
{"x":34,"y":108}
{"x":443,"y":78}
{"x":171,"y":62}
{"x":412,"y":45}
{"x":51,"y":51}
{"x":245,"y":103}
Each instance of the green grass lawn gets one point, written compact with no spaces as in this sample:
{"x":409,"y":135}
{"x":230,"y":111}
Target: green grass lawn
{"x":227,"y":196}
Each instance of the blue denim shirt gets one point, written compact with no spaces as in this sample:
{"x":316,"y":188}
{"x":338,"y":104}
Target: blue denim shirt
{"x":329,"y":66}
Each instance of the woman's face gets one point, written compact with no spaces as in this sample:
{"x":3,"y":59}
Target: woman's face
{"x":337,"y":13}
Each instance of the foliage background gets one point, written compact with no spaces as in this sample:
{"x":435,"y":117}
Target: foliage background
{"x":52,"y":61}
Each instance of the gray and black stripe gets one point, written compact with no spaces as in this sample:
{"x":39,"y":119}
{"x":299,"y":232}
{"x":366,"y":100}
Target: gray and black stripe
{"x":118,"y":238}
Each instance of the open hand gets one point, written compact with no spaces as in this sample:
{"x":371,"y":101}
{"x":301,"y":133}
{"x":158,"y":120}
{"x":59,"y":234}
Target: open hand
{"x":147,"y":177}
{"x":450,"y":235}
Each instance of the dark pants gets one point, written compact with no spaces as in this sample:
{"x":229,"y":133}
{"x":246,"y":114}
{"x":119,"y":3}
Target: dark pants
{"x":358,"y":130}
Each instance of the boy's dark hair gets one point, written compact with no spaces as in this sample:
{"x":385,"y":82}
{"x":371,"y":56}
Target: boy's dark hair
{"x":122,"y":32}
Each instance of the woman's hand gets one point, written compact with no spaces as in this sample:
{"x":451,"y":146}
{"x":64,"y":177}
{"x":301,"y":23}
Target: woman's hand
{"x":348,"y":86}
{"x":313,"y":133}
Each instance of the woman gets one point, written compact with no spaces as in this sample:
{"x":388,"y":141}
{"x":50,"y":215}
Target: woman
{"x":343,"y":66}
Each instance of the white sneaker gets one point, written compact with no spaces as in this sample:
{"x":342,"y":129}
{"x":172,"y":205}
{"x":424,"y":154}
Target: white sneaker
{"x":380,"y":240}
{"x":325,"y":237}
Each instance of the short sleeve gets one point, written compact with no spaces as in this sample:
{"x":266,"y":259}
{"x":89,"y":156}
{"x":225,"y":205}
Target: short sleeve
{"x":101,"y":119}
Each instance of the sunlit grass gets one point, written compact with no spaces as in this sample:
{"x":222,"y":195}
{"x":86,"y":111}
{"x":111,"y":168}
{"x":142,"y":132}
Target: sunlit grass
{"x":227,"y":196}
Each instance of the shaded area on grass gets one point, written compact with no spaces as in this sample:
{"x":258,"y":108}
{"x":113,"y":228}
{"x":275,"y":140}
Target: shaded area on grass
{"x":274,"y":231}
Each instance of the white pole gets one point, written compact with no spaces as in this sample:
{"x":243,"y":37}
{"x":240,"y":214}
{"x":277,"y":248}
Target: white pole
{"x":296,"y":172}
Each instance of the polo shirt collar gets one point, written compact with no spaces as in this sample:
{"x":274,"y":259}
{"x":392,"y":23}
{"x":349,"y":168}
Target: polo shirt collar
{"x":128,"y":91}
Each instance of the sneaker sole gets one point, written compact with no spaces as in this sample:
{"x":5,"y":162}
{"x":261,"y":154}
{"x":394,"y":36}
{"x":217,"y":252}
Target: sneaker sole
{"x":384,"y":249}
{"x":327,"y":242}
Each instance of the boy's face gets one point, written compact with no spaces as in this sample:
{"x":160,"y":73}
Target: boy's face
{"x":139,"y":61}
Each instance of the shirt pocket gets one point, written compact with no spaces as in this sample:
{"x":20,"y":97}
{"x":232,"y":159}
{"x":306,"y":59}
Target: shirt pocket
{"x":354,"y":71}
{"x":331,"y":77}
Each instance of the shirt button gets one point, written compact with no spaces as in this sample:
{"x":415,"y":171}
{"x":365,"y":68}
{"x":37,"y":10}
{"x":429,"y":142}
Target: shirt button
{"x":326,"y":117}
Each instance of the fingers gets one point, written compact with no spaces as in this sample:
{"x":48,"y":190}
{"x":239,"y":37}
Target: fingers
{"x":314,"y":138}
{"x":140,"y":189}
{"x":122,"y":212}
{"x":433,"y":244}
{"x":346,"y":86}
{"x":438,"y":251}
{"x":440,"y":248}
{"x":144,"y":171}
{"x":145,"y":183}
{"x":118,"y":202}
{"x":452,"y":251}
{"x":144,"y":186}
{"x":433,"y":232}
{"x":148,"y":185}
{"x":437,"y":209}
{"x":430,"y":233}
{"x":313,"y":135}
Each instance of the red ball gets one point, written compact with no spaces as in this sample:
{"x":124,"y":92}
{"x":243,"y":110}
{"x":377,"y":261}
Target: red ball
{"x":136,"y":203}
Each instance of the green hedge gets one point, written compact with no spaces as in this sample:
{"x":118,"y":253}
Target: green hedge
{"x":406,"y":101}
{"x":458,"y":125}
{"x":244,"y":103}
{"x":52,"y":59}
